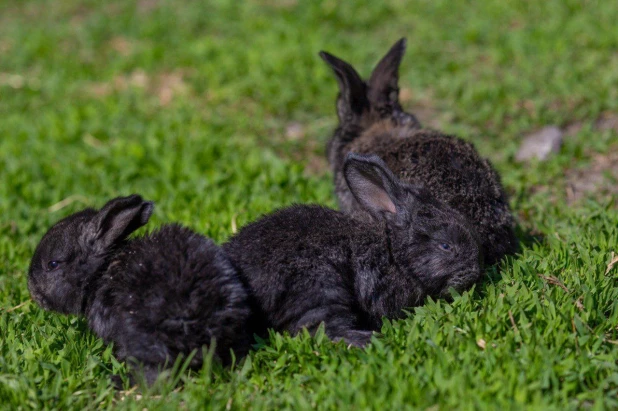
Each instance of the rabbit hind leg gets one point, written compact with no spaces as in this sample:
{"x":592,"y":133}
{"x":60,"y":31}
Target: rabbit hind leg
{"x":340,"y":323}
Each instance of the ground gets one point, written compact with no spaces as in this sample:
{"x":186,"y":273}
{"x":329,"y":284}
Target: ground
{"x":219,"y":112}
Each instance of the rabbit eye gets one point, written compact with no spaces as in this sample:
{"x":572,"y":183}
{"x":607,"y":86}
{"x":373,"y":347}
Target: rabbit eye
{"x":52,"y":265}
{"x":445,"y":246}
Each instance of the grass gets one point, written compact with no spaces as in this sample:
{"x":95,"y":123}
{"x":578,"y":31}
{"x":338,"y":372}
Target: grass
{"x":219,"y":112}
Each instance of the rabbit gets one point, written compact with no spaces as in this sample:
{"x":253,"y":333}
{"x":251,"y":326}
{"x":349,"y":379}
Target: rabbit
{"x":372,"y":121}
{"x":307,"y":264}
{"x":156,"y":297}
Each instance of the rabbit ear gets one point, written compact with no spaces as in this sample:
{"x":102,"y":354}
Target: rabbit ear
{"x":352,"y":100}
{"x":383,"y":93}
{"x":373,"y":185}
{"x":119,"y":218}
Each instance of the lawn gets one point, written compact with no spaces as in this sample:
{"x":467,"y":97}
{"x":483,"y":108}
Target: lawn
{"x":219,"y":112}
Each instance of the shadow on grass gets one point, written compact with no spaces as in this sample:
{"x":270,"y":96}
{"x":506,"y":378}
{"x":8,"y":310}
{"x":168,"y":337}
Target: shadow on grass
{"x":527,"y":238}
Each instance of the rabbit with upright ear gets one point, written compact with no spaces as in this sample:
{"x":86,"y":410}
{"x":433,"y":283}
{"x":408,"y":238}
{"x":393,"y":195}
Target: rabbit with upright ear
{"x":156,"y":297}
{"x":371,"y":121}
{"x":308,"y":264}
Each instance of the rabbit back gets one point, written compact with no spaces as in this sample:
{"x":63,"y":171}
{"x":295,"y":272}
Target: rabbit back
{"x":169,"y":293}
{"x":297,"y":262}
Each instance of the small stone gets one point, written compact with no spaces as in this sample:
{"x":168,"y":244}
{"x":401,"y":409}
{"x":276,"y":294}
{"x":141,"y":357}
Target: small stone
{"x":540,"y":145}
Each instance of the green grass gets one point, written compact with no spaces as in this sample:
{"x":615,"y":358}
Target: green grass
{"x":189,"y":104}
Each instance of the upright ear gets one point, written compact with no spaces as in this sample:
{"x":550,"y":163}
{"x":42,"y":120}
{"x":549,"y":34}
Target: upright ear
{"x":383,"y":93}
{"x":352,"y":101}
{"x":373,"y":185}
{"x":119,"y":218}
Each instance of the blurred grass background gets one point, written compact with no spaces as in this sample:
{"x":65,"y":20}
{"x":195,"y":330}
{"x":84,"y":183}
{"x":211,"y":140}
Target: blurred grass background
{"x":219,"y":112}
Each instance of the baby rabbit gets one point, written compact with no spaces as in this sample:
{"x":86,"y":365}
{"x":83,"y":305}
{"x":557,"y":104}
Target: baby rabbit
{"x":371,"y":121}
{"x":155,"y":297}
{"x":309,"y":264}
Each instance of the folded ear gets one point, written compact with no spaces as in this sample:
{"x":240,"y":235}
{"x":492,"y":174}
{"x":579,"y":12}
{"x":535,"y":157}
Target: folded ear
{"x":383,"y":93}
{"x":352,"y":101}
{"x":373,"y":185}
{"x":118,"y":219}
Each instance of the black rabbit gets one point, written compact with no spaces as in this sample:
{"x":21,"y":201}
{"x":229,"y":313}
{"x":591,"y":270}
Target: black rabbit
{"x":309,"y":264}
{"x":156,"y":297}
{"x":371,"y":121}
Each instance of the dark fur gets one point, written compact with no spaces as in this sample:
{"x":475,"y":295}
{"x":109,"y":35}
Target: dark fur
{"x":156,"y":297}
{"x":308,"y":264}
{"x":371,"y":121}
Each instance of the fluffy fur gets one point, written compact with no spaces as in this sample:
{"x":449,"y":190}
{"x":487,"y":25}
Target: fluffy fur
{"x":156,"y":297}
{"x":371,"y":121}
{"x":308,"y":264}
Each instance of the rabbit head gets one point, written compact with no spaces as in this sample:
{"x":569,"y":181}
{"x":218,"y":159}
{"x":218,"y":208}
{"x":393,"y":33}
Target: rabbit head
{"x":361,"y":104}
{"x":78,"y":247}
{"x":427,"y":239}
